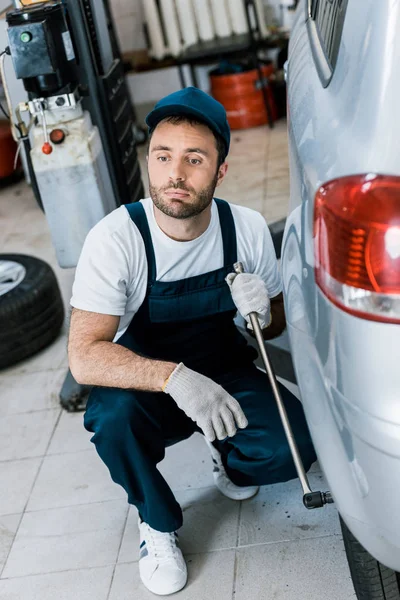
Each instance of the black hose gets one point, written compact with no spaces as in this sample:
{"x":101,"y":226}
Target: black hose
{"x":27,"y":147}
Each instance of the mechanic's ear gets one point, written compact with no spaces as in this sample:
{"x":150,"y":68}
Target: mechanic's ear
{"x":222,"y":172}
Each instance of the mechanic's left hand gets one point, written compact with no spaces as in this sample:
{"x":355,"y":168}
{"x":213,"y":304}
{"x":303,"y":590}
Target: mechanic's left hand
{"x":250,"y":294}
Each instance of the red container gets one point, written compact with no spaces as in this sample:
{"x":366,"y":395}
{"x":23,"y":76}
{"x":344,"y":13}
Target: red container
{"x":8,"y":149}
{"x":243,"y":101}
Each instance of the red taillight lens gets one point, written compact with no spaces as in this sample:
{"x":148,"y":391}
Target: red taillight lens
{"x":357,"y":245}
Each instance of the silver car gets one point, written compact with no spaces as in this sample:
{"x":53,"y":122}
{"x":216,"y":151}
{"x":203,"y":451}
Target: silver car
{"x":341,"y":267}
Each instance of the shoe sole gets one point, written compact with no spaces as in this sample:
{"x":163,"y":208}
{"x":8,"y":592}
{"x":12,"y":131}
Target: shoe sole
{"x":241,"y":495}
{"x":159,"y":592}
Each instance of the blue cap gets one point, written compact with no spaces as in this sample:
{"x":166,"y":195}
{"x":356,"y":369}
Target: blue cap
{"x":192,"y":102}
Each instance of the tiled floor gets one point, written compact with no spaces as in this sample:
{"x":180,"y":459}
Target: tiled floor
{"x":65,"y":529}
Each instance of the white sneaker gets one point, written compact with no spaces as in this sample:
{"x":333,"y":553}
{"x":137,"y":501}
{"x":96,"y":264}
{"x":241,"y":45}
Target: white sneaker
{"x":224,"y":484}
{"x":162,"y":567}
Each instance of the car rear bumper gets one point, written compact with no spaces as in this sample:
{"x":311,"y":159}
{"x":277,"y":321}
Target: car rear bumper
{"x":349,"y":385}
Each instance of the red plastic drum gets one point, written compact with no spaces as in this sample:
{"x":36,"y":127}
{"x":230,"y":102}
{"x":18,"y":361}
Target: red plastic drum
{"x":243,"y":101}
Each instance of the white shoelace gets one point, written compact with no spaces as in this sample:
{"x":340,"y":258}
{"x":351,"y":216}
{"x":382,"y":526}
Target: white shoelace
{"x":161,"y":546}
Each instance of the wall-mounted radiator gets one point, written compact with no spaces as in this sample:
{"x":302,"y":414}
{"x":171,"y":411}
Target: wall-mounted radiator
{"x":173,"y":25}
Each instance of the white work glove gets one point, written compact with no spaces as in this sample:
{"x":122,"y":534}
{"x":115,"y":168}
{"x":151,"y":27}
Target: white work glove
{"x":250,"y":294}
{"x":215,"y":411}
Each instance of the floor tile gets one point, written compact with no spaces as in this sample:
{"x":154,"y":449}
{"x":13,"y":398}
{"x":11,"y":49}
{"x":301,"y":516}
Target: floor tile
{"x":86,"y":584}
{"x":16,"y":479}
{"x":70,"y":435}
{"x":76,"y":537}
{"x":188,"y":464}
{"x":244,"y":183}
{"x":53,"y":357}
{"x":210,"y":522}
{"x":129,"y":551}
{"x":26,"y":435}
{"x":278,"y":163}
{"x":72,"y":479}
{"x":65,"y":278}
{"x":277,"y":514}
{"x":275,"y":207}
{"x":251,"y":142}
{"x":12,"y":205}
{"x":8,"y":528}
{"x":309,"y":569}
{"x":210,"y":578}
{"x":6,"y":228}
{"x":278,"y":186}
{"x":36,"y":243}
{"x":30,"y":392}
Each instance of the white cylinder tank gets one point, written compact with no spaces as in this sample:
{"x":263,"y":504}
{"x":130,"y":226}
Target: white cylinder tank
{"x":187,"y":21}
{"x":72,"y":185}
{"x":171,"y":26}
{"x":222,"y":20}
{"x":238,"y":16}
{"x":204,"y":19}
{"x":261,"y":17}
{"x":157,"y":47}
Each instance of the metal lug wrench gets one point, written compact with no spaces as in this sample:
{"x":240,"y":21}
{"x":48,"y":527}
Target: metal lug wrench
{"x":310,"y":499}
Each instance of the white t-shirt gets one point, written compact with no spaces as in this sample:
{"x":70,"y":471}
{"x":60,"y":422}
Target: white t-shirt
{"x":111,"y":275}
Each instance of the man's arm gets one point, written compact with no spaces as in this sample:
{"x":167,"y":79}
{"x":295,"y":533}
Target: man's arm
{"x":95,"y":360}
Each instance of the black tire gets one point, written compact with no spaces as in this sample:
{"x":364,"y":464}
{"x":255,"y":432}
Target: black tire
{"x":371,"y":579}
{"x":32,"y":313}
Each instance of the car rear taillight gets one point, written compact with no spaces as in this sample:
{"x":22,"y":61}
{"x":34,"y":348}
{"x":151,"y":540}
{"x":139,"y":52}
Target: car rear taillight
{"x":357,"y":245}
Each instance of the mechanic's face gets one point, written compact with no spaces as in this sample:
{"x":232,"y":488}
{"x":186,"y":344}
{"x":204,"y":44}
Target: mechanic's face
{"x":182,"y":166}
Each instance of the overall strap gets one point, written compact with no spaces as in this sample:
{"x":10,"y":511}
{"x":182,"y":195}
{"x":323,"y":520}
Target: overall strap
{"x":228,"y":231}
{"x":138,"y":216}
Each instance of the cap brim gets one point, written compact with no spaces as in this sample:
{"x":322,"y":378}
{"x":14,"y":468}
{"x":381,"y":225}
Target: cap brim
{"x":172,"y":110}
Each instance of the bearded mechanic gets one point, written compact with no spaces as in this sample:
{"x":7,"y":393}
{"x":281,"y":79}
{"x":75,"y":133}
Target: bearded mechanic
{"x":152,"y":328}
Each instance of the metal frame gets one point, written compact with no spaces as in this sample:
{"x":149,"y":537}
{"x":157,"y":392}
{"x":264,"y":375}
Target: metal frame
{"x":100,"y":100}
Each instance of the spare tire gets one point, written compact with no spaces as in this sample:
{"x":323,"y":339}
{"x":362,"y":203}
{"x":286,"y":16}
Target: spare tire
{"x":31,"y":307}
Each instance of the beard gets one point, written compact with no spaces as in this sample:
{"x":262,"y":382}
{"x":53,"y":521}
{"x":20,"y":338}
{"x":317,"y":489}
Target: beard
{"x":180,"y":208}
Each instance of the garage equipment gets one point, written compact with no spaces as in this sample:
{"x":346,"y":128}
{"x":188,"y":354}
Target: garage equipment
{"x":310,"y":499}
{"x":80,"y":142}
{"x":83,"y":155}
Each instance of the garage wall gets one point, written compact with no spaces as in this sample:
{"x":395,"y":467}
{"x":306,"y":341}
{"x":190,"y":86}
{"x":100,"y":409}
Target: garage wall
{"x":128,"y":15}
{"x":150,"y":87}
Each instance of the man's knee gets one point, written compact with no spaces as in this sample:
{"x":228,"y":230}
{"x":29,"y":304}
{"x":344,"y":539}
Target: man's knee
{"x":283,"y":455}
{"x":110,"y":412}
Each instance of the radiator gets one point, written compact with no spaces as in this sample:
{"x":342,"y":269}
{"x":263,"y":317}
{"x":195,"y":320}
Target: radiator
{"x":173,"y":25}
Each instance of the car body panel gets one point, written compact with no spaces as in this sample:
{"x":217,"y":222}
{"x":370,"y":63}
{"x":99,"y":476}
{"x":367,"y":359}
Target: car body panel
{"x":347,"y":368}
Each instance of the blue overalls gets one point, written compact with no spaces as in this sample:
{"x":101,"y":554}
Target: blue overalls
{"x":191,"y":321}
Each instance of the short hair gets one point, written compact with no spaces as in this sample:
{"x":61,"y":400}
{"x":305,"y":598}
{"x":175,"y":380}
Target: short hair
{"x":178,"y":119}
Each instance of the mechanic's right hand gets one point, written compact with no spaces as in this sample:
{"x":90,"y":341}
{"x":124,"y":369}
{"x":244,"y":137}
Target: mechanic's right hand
{"x":215,"y":411}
